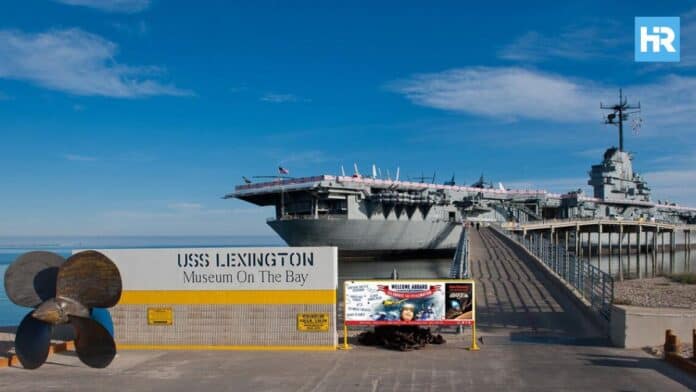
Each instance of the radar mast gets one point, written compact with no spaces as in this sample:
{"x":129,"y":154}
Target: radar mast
{"x":620,"y":112}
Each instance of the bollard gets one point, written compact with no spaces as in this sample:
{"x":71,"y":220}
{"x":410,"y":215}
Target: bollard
{"x":693,"y":344}
{"x":671,"y":342}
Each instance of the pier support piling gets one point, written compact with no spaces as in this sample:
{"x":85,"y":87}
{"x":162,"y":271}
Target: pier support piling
{"x":654,"y":252}
{"x":671,"y":251}
{"x":662,"y":252}
{"x":621,"y":274}
{"x":599,"y":248}
{"x":687,"y":247}
{"x":628,"y":253}
{"x":638,"y":251}
{"x":610,"y":251}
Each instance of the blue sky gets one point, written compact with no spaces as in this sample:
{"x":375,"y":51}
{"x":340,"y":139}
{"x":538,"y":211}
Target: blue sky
{"x":133,"y":117}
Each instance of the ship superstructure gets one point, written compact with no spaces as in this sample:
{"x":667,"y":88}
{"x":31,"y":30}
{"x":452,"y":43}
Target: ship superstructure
{"x":375,"y":215}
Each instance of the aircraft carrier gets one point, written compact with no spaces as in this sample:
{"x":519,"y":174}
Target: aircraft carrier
{"x":373,"y":215}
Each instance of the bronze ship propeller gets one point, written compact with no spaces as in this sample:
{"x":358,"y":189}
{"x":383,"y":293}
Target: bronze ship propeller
{"x":63,"y":292}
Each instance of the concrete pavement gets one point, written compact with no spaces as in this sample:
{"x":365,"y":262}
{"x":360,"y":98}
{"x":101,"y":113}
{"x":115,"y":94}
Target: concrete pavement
{"x":500,"y":365}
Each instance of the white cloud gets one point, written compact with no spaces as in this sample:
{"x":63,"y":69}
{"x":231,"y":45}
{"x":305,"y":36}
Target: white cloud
{"x":79,"y":158}
{"x":605,"y":40}
{"x":76,"y":62}
{"x":512,"y":93}
{"x":677,"y":185}
{"x":577,"y":43}
{"x":500,"y":92}
{"x":688,"y":42}
{"x":282,"y":98}
{"x":125,"y":6}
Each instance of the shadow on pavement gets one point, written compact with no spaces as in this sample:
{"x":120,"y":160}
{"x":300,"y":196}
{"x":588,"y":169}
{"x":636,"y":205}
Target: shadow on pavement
{"x":656,"y":364}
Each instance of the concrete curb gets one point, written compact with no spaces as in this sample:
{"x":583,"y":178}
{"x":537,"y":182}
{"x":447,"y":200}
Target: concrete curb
{"x":570,"y":291}
{"x":54,"y":348}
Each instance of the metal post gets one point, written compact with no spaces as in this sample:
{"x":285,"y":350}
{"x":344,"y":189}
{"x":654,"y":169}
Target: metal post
{"x":599,"y":248}
{"x":686,"y":251}
{"x":592,"y":278}
{"x":640,"y":229}
{"x":662,"y":251}
{"x":628,"y":253}
{"x":474,"y":346}
{"x":645,"y":270}
{"x":565,"y":257}
{"x":654,"y":252}
{"x":671,"y":251}
{"x":610,"y":250}
{"x":577,"y":241}
{"x":557,"y":251}
{"x":589,"y":247}
{"x":620,"y":252}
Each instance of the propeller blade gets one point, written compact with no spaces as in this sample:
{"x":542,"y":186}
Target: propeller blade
{"x":103,"y":317}
{"x":31,"y":279}
{"x":90,"y":278}
{"x":94,"y":345}
{"x":32,"y":341}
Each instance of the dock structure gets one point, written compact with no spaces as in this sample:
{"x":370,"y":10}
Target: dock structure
{"x":516,"y":298}
{"x":598,"y":241}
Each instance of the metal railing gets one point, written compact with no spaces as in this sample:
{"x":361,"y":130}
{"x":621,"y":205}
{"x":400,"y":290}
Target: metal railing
{"x":591,"y":283}
{"x":460,"y":262}
{"x":309,"y":217}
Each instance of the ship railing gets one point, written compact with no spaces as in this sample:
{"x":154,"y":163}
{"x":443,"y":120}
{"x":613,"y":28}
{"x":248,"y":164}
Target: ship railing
{"x":308,"y":217}
{"x":591,"y":283}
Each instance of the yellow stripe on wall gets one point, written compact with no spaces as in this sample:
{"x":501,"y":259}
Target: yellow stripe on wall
{"x":229,"y":297}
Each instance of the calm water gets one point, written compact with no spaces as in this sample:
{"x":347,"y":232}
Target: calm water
{"x":11,"y":248}
{"x":680,"y":263}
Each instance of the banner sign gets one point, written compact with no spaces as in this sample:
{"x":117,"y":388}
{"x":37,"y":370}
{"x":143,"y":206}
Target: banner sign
{"x":408,"y":302}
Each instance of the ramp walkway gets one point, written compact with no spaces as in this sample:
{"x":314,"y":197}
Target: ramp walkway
{"x":515,"y":298}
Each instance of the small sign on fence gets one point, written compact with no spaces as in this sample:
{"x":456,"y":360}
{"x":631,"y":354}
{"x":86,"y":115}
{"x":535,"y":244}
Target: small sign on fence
{"x":159,"y":316}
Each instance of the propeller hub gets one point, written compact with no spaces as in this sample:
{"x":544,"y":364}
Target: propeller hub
{"x":51,"y":312}
{"x":56,"y":310}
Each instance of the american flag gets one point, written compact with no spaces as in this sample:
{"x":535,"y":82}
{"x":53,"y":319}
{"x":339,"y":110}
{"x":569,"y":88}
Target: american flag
{"x":282,"y":170}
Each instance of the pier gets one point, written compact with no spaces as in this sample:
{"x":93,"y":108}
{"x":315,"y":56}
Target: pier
{"x":517,"y":301}
{"x":630,"y":243}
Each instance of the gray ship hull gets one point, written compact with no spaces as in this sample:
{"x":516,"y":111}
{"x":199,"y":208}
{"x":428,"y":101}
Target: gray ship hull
{"x":365,"y":237}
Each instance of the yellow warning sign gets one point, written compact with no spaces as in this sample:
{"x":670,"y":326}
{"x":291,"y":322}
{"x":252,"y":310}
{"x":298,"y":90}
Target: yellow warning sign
{"x":159,"y":316}
{"x":313,"y":322}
